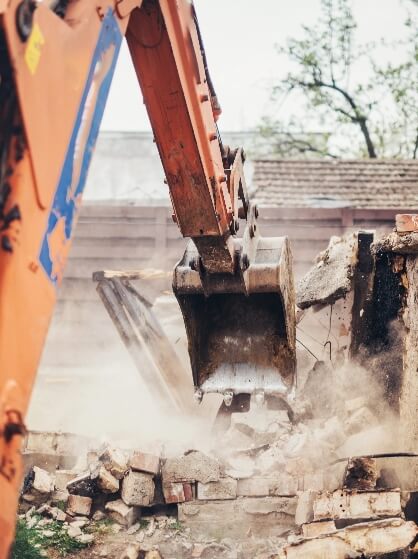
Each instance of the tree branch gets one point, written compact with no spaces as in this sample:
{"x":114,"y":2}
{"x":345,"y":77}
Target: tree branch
{"x":359,"y":118}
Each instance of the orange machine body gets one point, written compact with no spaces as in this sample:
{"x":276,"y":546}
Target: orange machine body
{"x":59,"y":71}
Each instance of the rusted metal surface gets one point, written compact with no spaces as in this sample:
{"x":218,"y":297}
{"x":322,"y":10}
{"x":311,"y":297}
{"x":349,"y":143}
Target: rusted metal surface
{"x":177,"y":94}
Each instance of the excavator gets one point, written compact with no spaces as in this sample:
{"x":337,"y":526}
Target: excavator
{"x":57,"y":59}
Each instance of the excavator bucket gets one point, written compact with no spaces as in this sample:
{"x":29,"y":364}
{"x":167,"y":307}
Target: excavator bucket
{"x":241,"y":327}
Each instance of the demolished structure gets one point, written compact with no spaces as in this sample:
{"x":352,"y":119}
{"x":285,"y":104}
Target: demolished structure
{"x":335,"y":476}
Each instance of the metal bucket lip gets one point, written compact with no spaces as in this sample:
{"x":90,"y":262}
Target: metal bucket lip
{"x":246,"y":378}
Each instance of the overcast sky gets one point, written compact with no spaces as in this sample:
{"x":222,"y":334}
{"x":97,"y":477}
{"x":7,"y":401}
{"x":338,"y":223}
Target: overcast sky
{"x":240,"y":38}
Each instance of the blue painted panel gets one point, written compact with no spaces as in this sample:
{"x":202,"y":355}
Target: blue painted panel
{"x":67,"y":199}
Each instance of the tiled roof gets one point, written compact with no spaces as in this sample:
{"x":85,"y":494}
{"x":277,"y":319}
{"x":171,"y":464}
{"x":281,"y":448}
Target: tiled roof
{"x":363,"y":183}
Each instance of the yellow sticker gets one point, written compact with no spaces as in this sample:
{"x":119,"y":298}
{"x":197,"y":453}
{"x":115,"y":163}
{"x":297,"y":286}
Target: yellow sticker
{"x":33,"y":49}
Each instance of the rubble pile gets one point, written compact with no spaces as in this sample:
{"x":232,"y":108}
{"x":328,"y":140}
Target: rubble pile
{"x":287,"y":484}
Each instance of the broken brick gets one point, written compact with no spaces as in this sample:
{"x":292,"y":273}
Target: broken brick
{"x":177,"y":492}
{"x":315,"y":529}
{"x":145,"y":462}
{"x":78,"y":505}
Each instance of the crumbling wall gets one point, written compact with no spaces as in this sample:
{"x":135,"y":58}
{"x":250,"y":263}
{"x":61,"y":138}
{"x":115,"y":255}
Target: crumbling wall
{"x":409,"y":390}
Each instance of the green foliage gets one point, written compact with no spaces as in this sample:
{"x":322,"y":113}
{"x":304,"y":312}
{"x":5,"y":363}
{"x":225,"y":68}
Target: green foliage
{"x":356,"y":105}
{"x":101,"y":526}
{"x":175,"y":526}
{"x":25,"y":541}
{"x":30,"y":541}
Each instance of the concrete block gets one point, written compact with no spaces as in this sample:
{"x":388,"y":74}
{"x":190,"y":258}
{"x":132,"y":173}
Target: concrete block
{"x":334,"y":476}
{"x":360,"y":540}
{"x":115,"y":461}
{"x":193,"y":466}
{"x":107,"y":482}
{"x":78,"y":505}
{"x":43,"y":482}
{"x":304,"y":509}
{"x":315,"y":529}
{"x":63,"y":477}
{"x":145,"y":462}
{"x":356,"y":506}
{"x":39,"y":485}
{"x":225,"y":488}
{"x":267,"y":517}
{"x":138,"y":489}
{"x":177,"y":492}
{"x":122,"y":513}
{"x":279,"y":485}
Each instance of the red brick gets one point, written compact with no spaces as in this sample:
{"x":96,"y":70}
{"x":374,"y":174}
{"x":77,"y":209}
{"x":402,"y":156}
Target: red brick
{"x":145,"y":462}
{"x":178,"y":492}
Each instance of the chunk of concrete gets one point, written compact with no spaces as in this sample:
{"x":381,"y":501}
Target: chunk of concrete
{"x":192,"y":466}
{"x":43,"y":482}
{"x":74,"y":531}
{"x":278,"y":484}
{"x":122,"y":513}
{"x":225,"y":488}
{"x":351,"y":505}
{"x":364,"y":539}
{"x":63,"y":477}
{"x":315,"y":529}
{"x":330,"y":278}
{"x":177,"y":492}
{"x":115,"y":461}
{"x":145,"y":462}
{"x":256,"y":422}
{"x":38,"y":486}
{"x":107,"y":482}
{"x":267,"y":517}
{"x":304,"y":509}
{"x":78,"y":505}
{"x":138,"y":489}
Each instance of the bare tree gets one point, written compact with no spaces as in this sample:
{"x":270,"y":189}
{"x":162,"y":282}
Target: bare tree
{"x":373,"y":117}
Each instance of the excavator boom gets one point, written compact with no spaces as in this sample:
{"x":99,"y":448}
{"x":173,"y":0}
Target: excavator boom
{"x":57,"y":60}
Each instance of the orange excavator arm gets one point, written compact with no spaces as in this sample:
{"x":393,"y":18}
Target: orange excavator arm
{"x":57,"y":59}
